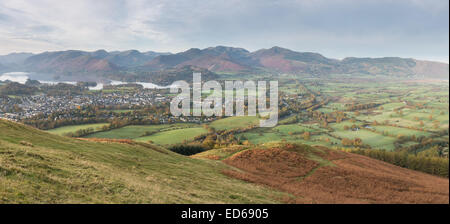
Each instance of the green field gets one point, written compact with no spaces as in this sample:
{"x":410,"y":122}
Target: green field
{"x":164,"y":134}
{"x":73,"y":128}
{"x":261,"y":137}
{"x":234,"y":122}
{"x":174,"y":136}
{"x":373,"y":139}
{"x":136,"y":131}
{"x":342,"y":125}
{"x":292,"y":128}
{"x":400,"y":131}
{"x":287,"y":133}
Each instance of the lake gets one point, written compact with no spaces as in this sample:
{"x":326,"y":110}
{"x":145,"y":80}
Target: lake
{"x":22,"y":77}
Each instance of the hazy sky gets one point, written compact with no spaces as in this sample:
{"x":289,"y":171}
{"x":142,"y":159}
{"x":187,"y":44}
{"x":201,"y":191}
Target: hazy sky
{"x":334,"y":28}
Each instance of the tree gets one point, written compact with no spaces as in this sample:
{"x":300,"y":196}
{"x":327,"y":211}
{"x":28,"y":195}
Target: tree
{"x":421,"y":123}
{"x":357,"y":142}
{"x":306,"y":135}
{"x":346,"y":142}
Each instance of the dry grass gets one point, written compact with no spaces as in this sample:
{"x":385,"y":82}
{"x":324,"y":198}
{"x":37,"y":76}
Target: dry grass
{"x":351,"y":179}
{"x":63,"y":170}
{"x":274,"y":167}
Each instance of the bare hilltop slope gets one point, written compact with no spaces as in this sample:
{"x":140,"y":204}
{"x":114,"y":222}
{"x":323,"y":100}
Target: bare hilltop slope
{"x":38,"y":167}
{"x":321,"y":175}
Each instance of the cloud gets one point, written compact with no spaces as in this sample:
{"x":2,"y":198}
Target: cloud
{"x":79,"y":24}
{"x":338,"y":28}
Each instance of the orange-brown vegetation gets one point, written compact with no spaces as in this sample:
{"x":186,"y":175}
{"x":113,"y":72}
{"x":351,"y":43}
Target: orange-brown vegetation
{"x":212,"y":157}
{"x":331,"y":154}
{"x":274,"y":167}
{"x":345,"y":178}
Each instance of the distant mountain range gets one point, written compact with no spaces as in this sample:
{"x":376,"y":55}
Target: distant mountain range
{"x":220,"y":59}
{"x":13,"y":60}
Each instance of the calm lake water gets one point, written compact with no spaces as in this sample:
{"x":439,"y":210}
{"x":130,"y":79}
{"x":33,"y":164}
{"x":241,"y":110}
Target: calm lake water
{"x":22,"y":77}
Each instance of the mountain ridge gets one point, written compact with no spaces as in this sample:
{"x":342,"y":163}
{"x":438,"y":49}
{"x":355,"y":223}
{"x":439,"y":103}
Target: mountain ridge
{"x":225,"y":59}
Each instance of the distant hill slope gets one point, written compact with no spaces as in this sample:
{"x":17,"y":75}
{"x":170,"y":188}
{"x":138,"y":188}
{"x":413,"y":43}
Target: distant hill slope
{"x":227,"y":60}
{"x":72,"y":61}
{"x":68,"y":62}
{"x":37,"y":167}
{"x":320,"y":175}
{"x":130,"y":58}
{"x":166,"y":76}
{"x":430,"y":69}
{"x":218,"y":59}
{"x":399,"y":67}
{"x":288,"y":61}
{"x":13,"y":61}
{"x":281,"y":60}
{"x":14,"y":58}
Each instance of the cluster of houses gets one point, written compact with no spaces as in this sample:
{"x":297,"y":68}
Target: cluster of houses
{"x":29,"y":106}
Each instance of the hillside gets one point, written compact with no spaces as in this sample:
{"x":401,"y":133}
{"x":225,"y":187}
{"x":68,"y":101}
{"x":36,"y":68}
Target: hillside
{"x":72,"y":61}
{"x":320,"y":175}
{"x":166,"y":76}
{"x":288,"y":61}
{"x":431,"y":69}
{"x":398,"y":67}
{"x":37,"y":167}
{"x":282,"y":60}
{"x":13,"y":60}
{"x":130,"y":58}
{"x":218,"y":59}
{"x":68,"y":62}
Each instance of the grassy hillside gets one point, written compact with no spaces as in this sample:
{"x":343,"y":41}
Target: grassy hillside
{"x":319,"y":175}
{"x":73,"y":128}
{"x":38,"y":167}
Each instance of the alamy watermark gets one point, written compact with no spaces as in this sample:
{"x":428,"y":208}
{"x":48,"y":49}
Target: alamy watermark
{"x":188,"y":104}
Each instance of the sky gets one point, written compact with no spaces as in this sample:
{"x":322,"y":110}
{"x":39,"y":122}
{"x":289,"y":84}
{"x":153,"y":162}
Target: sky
{"x":335,"y":28}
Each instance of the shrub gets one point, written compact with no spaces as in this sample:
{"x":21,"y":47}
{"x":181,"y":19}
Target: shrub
{"x":432,"y":165}
{"x":187,"y":150}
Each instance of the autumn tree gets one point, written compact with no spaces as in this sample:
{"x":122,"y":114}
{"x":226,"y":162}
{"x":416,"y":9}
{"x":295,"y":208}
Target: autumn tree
{"x":306,"y":135}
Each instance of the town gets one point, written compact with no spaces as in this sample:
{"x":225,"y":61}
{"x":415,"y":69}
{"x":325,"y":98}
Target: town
{"x":114,"y":102}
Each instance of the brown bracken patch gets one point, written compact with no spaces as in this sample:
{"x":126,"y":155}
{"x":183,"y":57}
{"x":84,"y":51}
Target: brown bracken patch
{"x":274,"y":167}
{"x":212,"y":157}
{"x":354,"y":179}
{"x":331,"y":155}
